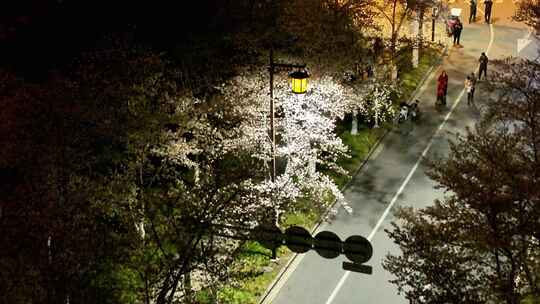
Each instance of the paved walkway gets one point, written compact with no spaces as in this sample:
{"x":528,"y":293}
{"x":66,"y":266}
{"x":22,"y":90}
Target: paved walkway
{"x":394,"y":176}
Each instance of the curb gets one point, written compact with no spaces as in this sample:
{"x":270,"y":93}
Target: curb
{"x":414,"y":94}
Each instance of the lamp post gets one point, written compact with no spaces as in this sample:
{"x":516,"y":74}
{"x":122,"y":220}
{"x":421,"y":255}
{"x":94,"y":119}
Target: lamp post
{"x":298,"y":85}
{"x":434,"y":15}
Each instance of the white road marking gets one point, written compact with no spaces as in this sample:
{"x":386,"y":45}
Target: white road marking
{"x":529,"y":32}
{"x":524,"y":42}
{"x":406,"y":181}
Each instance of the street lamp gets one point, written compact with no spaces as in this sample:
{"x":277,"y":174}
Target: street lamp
{"x":299,"y":81}
{"x":298,"y":85}
{"x":434,"y":15}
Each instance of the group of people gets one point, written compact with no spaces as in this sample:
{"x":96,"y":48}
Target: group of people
{"x":470,"y":82}
{"x":455,"y":26}
{"x":454,"y":29}
{"x":488,"y":4}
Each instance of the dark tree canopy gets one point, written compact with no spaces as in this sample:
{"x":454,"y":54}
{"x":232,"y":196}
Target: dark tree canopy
{"x":529,"y":12}
{"x":113,"y":157}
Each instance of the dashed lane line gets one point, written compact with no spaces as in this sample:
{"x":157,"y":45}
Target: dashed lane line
{"x":407,"y":179}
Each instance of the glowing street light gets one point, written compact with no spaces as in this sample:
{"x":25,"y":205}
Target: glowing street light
{"x":299,"y":81}
{"x":298,"y":86}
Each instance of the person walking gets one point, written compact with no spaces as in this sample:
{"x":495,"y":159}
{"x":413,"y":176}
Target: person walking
{"x":469,"y":90}
{"x":442,"y":87}
{"x":472,"y":16}
{"x":457,"y":32}
{"x":487,"y":10}
{"x":483,"y":65}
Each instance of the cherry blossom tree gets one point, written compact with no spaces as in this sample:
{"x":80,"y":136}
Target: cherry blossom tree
{"x":379,"y":101}
{"x":309,"y":139}
{"x":305,"y":126}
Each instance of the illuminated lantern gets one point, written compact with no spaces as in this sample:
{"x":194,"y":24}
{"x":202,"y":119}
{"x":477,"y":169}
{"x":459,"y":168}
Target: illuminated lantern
{"x":299,"y":81}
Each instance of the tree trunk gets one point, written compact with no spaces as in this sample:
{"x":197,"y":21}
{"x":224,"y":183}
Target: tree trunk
{"x":354,"y":124}
{"x":393,"y":42}
{"x":187,"y":288}
{"x":421,"y":27}
{"x":394,"y":34}
{"x":394,"y":71}
{"x":312,"y":167}
{"x":417,"y":40}
{"x":415,"y":43}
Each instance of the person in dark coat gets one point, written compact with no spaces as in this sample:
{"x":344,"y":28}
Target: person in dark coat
{"x":378,"y":47}
{"x":483,"y":65}
{"x":487,"y":10}
{"x":442,"y":87}
{"x":472,"y":15}
{"x":457,"y":32}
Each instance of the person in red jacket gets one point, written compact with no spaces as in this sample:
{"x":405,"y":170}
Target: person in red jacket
{"x":442,"y":87}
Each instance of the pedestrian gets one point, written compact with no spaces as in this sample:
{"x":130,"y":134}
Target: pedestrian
{"x":483,"y":65}
{"x":442,"y":87}
{"x":472,"y":16}
{"x":487,"y":10}
{"x":378,"y":47}
{"x":473,"y":81}
{"x":469,"y":90}
{"x":457,"y":32}
{"x":369,"y":71}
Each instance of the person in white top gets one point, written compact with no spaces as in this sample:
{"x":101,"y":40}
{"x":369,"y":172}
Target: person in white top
{"x":469,"y":87}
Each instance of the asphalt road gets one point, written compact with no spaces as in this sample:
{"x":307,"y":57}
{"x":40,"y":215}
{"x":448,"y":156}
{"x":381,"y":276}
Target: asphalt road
{"x":394,"y":176}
